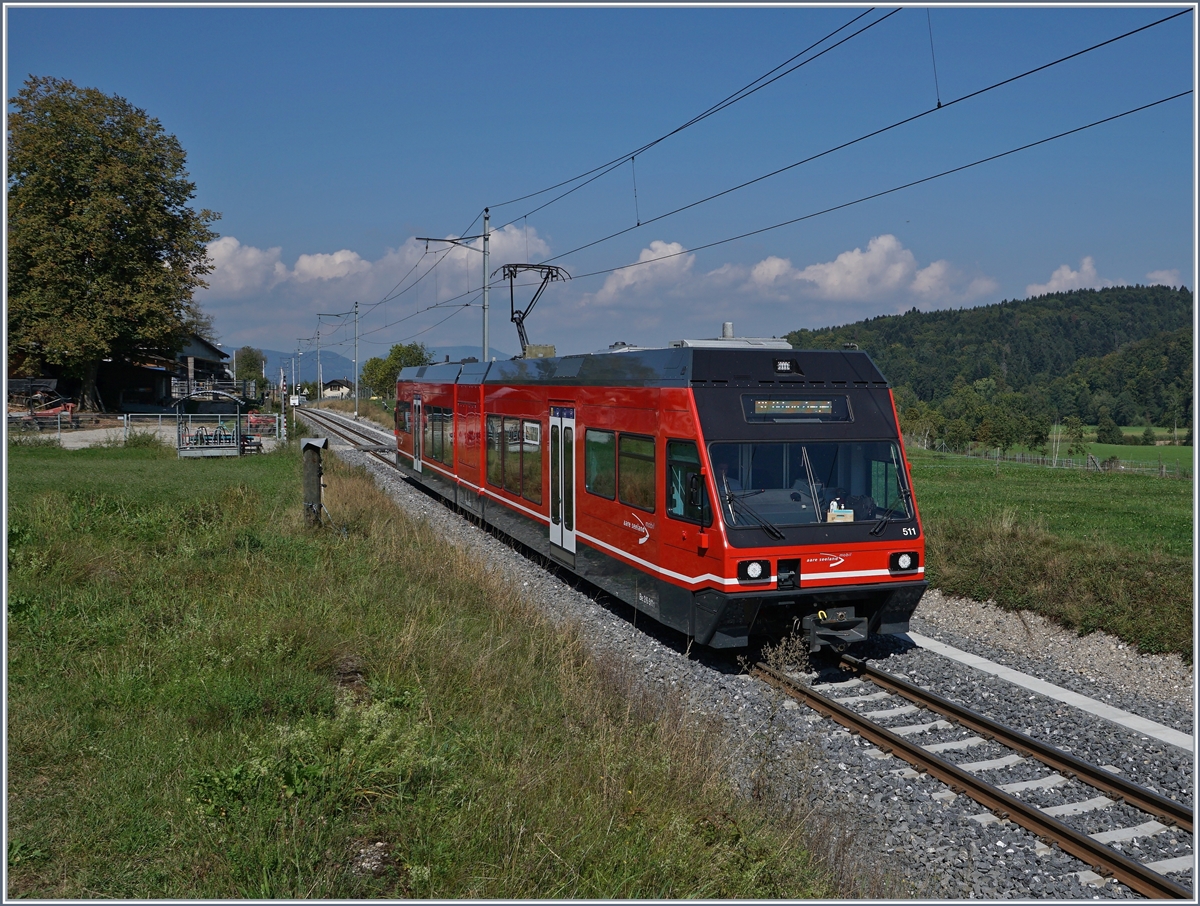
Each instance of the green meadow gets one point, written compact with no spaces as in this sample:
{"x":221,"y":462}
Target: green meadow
{"x":1094,"y":550}
{"x":207,"y":699}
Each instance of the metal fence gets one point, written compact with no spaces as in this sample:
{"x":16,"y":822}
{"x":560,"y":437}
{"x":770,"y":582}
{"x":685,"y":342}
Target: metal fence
{"x":1160,"y":469}
{"x":116,"y":426}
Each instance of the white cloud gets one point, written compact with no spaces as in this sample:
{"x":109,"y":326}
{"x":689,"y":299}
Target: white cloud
{"x":1164,"y":278}
{"x":1065,"y":279}
{"x":660,"y":263}
{"x":772,"y":270}
{"x":886,"y":271}
{"x":883,"y":268}
{"x":328,"y":267}
{"x":240,"y":270}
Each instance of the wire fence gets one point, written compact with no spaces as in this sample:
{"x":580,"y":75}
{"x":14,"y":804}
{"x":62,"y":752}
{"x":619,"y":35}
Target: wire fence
{"x":1087,"y":462}
{"x":118,"y":427}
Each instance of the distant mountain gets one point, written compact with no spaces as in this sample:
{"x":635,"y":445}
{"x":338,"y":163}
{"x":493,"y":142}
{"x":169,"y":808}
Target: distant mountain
{"x":332,"y":365}
{"x":1020,"y":344}
{"x":458,"y":353}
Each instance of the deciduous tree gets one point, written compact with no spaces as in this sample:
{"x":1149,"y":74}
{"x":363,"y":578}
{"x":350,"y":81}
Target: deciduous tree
{"x":379,"y":375}
{"x":248,"y":366}
{"x":104,"y":251}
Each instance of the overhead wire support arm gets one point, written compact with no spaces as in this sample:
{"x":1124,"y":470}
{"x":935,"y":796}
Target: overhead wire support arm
{"x":549,"y":273}
{"x":463,"y":242}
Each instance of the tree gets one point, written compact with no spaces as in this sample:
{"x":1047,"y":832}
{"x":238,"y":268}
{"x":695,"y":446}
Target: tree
{"x":1107,"y":431}
{"x":1073,"y":429}
{"x":379,"y":375}
{"x":104,"y":252}
{"x":248,"y":366}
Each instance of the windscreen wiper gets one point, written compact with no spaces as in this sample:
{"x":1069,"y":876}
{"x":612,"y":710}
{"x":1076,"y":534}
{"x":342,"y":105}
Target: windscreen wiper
{"x":768,"y":527}
{"x":887,"y":518}
{"x":905,"y":495}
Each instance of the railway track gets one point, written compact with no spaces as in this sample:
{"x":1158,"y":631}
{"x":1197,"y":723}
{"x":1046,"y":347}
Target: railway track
{"x":362,"y":439}
{"x":1003,"y":800}
{"x":864,"y":708}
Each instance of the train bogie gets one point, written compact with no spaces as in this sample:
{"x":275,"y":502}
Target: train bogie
{"x":714,"y":490}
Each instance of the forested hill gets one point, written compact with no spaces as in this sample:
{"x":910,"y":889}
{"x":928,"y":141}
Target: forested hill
{"x":1020,"y":344}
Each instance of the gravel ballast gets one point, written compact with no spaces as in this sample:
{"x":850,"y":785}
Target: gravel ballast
{"x":926,"y":838}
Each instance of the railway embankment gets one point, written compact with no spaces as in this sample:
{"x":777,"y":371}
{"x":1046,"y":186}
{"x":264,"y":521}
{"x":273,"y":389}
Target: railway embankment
{"x":873,"y":807}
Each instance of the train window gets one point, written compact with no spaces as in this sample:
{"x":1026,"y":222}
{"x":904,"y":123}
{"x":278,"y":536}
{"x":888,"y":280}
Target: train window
{"x":555,"y":496}
{"x":600,"y":462}
{"x":783,"y":409}
{"x":531,"y":461}
{"x":687,"y":496}
{"x":810,"y":482}
{"x":404,"y":416}
{"x":512,"y":455}
{"x":495,"y":447}
{"x":439,"y":434}
{"x":635,"y":472}
{"x":569,"y":479}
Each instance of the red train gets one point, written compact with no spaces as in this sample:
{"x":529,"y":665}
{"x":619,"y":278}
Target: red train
{"x":714,"y":485}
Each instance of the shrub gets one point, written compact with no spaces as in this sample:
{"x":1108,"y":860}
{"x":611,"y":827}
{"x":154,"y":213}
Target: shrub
{"x":1107,"y":432}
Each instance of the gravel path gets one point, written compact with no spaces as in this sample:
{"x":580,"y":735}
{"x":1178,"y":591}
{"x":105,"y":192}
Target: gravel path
{"x":913,"y":828}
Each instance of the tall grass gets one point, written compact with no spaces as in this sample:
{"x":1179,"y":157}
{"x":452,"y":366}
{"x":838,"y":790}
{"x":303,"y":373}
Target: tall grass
{"x":207,"y":699}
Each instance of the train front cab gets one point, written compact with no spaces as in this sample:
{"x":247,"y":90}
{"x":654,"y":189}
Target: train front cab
{"x":813,"y":509}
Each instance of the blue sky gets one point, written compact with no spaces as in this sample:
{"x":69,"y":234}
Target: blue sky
{"x":329,"y":138}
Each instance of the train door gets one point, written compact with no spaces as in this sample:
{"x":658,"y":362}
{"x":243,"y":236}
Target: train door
{"x":418,"y":434}
{"x":562,"y":481}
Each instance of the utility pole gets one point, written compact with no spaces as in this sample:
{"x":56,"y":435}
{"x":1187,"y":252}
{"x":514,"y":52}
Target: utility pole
{"x":320,"y":385}
{"x":486,"y":232}
{"x":462,"y":241}
{"x":356,"y":360}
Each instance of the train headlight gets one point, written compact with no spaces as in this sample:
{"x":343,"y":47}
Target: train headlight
{"x":904,"y":562}
{"x":754,"y":571}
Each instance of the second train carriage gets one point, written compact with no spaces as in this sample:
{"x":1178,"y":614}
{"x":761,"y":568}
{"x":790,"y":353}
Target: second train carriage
{"x":712,"y":485}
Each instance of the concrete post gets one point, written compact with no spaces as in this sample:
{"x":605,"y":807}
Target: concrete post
{"x":311,"y":448}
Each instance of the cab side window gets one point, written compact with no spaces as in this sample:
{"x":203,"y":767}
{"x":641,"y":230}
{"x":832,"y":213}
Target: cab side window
{"x":687,"y":496}
{"x":635,"y":471}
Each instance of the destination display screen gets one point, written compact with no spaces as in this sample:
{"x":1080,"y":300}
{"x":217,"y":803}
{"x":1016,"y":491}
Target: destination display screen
{"x":795,"y":409}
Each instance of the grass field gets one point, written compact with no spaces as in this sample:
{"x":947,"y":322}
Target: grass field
{"x":208,"y":700}
{"x":1093,"y":550}
{"x":1177,"y":457}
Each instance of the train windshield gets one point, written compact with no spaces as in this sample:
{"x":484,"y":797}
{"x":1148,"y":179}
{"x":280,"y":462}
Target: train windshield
{"x":764,"y":485}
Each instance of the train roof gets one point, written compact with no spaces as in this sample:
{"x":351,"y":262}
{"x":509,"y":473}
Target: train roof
{"x":680,"y":366}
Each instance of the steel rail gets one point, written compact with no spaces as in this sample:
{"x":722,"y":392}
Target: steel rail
{"x":348,"y":432}
{"x":1166,"y":810}
{"x":1101,"y":857}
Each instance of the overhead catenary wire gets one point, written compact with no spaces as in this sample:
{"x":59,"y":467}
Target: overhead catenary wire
{"x":969,"y":96}
{"x":736,"y":96}
{"x":894,"y":189}
{"x":937,"y":91}
{"x":716,"y":107}
{"x":606,"y":168}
